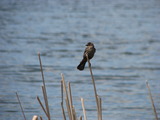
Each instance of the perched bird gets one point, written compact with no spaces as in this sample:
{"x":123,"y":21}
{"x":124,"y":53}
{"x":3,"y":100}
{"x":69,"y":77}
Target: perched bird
{"x":90,"y":50}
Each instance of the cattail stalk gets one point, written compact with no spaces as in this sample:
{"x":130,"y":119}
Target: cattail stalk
{"x":20,"y":106}
{"x":95,"y":91}
{"x":44,"y":89}
{"x":150,"y":95}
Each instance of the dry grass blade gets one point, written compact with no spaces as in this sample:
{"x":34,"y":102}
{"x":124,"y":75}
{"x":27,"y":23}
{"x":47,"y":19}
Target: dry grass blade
{"x":42,"y":106}
{"x":62,"y":91}
{"x":35,"y":117}
{"x":46,"y":100}
{"x":63,"y":113}
{"x":70,"y":93}
{"x":74,"y":113}
{"x":41,"y":118}
{"x":83,"y":107}
{"x":67,"y":99}
{"x":70,"y":100}
{"x":20,"y":106}
{"x":80,"y":118}
{"x":45,"y":93}
{"x":95,"y":91}
{"x":100,"y":107}
{"x":68,"y":109}
{"x":153,"y":106}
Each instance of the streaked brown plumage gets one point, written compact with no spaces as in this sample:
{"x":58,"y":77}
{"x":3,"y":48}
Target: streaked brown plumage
{"x":90,"y":50}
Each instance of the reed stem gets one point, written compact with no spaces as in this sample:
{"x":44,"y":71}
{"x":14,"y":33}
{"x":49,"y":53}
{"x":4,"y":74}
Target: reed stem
{"x":80,"y":118}
{"x":63,"y":113}
{"x":100,"y":107}
{"x":35,"y":117}
{"x":153,"y":106}
{"x":67,"y":99}
{"x":70,"y":100}
{"x":95,"y":91}
{"x":20,"y":106}
{"x":74,"y":113}
{"x":42,"y":106}
{"x":44,"y":91}
{"x":83,"y":107}
{"x":41,"y":118}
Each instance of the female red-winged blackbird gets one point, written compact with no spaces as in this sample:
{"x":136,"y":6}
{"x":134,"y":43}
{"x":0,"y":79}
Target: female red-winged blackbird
{"x":90,"y":50}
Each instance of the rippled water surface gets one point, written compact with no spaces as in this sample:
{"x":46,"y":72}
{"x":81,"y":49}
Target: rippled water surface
{"x":126,"y":35}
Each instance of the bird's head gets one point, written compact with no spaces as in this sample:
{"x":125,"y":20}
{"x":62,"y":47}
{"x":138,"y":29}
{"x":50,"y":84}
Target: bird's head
{"x":89,"y":44}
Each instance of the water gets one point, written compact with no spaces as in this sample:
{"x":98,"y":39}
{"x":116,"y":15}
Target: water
{"x":125,"y":34}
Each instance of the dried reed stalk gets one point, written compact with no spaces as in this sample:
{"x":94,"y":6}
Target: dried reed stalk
{"x":95,"y":91}
{"x":150,"y":95}
{"x":67,"y":98}
{"x":46,"y":101}
{"x":100,"y":107}
{"x":83,"y":107}
{"x":62,"y":91}
{"x":20,"y":106}
{"x":42,"y":106}
{"x":74,"y":113}
{"x":41,"y":118}
{"x":35,"y":117}
{"x":63,"y":113}
{"x":80,"y":118}
{"x":44,"y":89}
{"x":70,"y":100}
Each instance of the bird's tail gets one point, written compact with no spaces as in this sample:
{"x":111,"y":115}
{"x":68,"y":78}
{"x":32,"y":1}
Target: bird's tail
{"x":81,"y":65}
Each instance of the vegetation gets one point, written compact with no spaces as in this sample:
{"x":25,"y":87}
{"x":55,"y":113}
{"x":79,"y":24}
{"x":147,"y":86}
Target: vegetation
{"x":66,"y":96}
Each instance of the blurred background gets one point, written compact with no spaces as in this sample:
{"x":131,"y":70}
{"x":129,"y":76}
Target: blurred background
{"x":126,"y":35}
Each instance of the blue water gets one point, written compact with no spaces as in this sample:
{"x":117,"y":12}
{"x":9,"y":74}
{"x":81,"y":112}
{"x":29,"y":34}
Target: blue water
{"x":126,"y":35}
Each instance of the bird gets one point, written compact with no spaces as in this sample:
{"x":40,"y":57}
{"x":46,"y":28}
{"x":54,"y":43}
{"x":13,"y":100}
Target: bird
{"x":89,"y":51}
